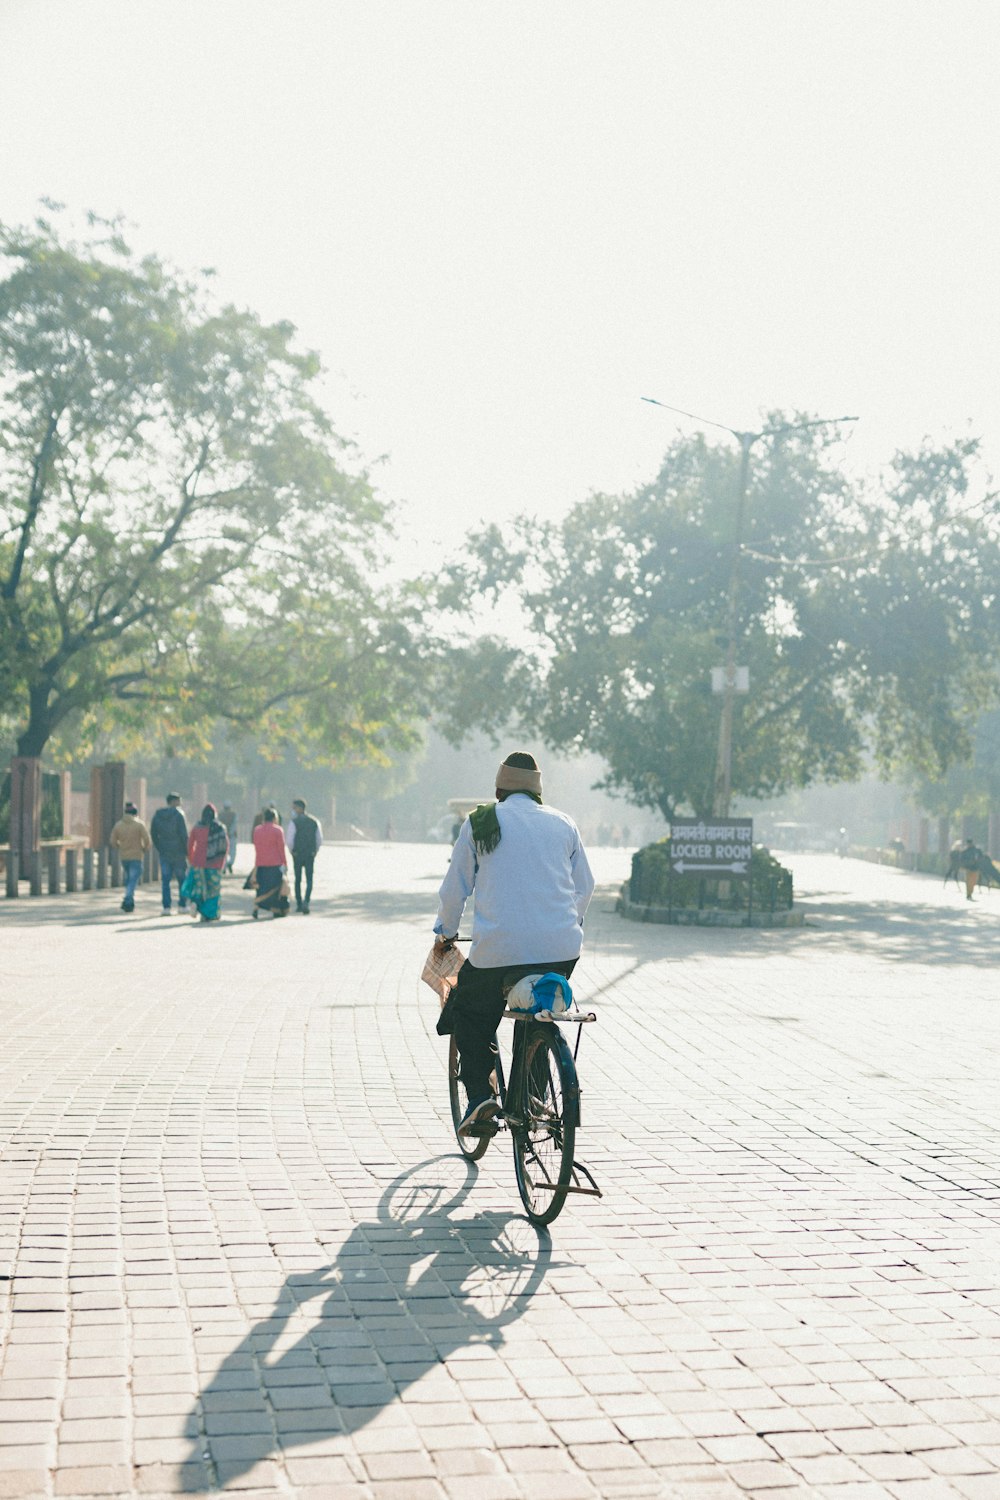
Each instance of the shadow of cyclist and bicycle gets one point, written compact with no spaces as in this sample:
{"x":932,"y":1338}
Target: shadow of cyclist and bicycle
{"x":407,"y":1290}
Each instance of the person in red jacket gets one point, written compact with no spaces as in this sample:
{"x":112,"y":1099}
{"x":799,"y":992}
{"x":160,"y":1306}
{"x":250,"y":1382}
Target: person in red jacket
{"x":208,"y":845}
{"x":271,"y":862}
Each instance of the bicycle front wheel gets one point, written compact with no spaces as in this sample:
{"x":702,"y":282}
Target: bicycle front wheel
{"x":471,"y":1146}
{"x":545,"y":1132}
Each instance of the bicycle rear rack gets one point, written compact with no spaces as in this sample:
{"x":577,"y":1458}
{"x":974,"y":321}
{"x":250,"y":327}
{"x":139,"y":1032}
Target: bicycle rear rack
{"x":571,"y":1017}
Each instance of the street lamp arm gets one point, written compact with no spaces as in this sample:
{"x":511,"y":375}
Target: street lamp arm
{"x":693,"y":415}
{"x":797,"y":427}
{"x":749,"y":437}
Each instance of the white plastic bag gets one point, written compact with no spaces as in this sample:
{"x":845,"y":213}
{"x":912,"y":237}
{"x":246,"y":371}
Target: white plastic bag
{"x":441,"y":970}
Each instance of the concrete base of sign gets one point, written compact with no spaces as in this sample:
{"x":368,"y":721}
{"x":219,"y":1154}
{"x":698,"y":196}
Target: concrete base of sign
{"x":691,"y":916}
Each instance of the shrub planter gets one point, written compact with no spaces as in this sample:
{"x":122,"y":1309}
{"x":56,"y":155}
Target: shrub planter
{"x":707,"y":916}
{"x":656,"y":894}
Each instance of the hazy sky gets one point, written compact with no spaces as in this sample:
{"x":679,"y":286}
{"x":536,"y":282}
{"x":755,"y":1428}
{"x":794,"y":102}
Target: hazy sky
{"x":502,"y":222}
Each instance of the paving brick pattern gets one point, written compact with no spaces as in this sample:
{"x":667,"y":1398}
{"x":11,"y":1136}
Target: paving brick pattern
{"x":239,"y":1249}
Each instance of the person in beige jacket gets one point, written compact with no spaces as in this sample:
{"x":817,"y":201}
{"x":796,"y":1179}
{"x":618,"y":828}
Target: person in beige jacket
{"x":130,"y":837}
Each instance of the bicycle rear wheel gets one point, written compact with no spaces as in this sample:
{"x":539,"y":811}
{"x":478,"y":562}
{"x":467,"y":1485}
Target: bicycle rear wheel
{"x":471,"y":1146}
{"x":545,"y":1130}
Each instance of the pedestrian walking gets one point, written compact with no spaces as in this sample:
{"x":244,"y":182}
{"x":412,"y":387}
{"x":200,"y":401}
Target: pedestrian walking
{"x":970,"y":862}
{"x":169,"y":832}
{"x":303,"y":835}
{"x":258,"y":817}
{"x":227,"y":818}
{"x":207,"y":850}
{"x":270,"y":866}
{"x":130,"y":837}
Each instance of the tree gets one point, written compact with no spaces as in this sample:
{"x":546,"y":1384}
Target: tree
{"x":183,"y":535}
{"x":868,"y":620}
{"x":970,"y":788}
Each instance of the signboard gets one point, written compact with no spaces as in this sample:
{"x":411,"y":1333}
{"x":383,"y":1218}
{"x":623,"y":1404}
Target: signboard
{"x":711,"y":846}
{"x":738,"y":679}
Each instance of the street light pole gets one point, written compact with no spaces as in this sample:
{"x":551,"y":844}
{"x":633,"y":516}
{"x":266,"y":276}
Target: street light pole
{"x":724,"y":757}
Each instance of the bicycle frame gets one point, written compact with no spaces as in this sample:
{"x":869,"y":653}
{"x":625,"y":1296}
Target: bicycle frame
{"x":538,"y":1097}
{"x":517,"y":1113}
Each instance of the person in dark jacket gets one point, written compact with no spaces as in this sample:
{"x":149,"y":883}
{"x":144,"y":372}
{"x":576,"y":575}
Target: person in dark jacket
{"x":303,"y":837}
{"x":169,"y":832}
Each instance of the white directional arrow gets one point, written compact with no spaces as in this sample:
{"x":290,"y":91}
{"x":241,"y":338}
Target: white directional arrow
{"x":736,"y":867}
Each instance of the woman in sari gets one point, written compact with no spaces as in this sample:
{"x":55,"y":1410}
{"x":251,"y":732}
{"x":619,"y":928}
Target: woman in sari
{"x":208,"y":844}
{"x":270,"y":863}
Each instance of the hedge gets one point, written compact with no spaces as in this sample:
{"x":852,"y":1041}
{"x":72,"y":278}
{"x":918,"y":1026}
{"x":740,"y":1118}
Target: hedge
{"x":651,"y":884}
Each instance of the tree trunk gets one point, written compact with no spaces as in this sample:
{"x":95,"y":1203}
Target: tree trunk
{"x":40,"y":723}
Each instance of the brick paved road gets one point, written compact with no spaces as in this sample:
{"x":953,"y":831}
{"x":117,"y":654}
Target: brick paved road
{"x":244,"y":1252}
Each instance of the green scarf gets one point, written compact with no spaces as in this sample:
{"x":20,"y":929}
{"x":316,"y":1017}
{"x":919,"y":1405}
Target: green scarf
{"x":486,"y":824}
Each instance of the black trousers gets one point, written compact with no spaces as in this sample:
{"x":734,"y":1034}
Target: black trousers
{"x":473,"y":1013}
{"x":306,"y":865}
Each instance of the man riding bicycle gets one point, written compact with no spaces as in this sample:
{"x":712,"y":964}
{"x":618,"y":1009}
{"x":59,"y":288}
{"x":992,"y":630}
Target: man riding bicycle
{"x":533,"y":884}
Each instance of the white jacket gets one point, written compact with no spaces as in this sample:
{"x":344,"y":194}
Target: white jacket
{"x":531,"y":892}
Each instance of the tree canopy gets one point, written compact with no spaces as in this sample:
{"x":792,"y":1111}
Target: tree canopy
{"x":184,"y":537}
{"x":867,"y":616}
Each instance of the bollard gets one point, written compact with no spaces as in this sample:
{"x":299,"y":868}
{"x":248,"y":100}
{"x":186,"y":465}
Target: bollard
{"x":35,"y":872}
{"x":52,"y":860}
{"x":147,"y":868}
{"x":88,"y":869}
{"x":154,"y":865}
{"x":12,"y":889}
{"x":70,"y":870}
{"x":102,"y":869}
{"x":116,"y":868}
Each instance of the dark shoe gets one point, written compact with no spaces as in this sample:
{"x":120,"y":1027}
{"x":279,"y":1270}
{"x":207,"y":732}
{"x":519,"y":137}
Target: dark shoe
{"x":255,"y":914}
{"x":479,"y":1117}
{"x":305,"y":911}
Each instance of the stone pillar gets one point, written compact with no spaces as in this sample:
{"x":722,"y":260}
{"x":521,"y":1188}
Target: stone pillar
{"x":25,"y":808}
{"x":52,"y":856}
{"x":137,"y":793}
{"x":107,"y":800}
{"x":71,"y":857}
{"x":88,"y":869}
{"x":35,"y":872}
{"x":12,"y":872}
{"x":96,"y":809}
{"x":923,"y":835}
{"x":994,"y":836}
{"x":66,"y":802}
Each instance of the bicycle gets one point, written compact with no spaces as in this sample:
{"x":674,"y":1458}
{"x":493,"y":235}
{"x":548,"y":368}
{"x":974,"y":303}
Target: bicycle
{"x":539,"y":1105}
